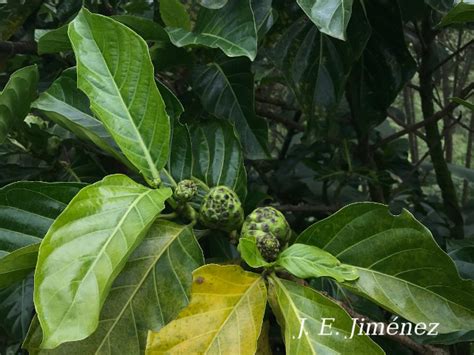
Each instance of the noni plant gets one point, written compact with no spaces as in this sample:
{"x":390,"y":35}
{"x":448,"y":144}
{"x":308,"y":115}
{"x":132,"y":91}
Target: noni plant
{"x":233,"y":177}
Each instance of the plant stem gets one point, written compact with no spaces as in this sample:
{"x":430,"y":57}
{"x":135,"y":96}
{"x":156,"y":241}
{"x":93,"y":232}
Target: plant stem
{"x":433,"y":136}
{"x":171,"y":215}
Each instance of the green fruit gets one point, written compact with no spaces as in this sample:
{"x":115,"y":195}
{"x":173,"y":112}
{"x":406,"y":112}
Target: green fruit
{"x":268,"y":220}
{"x":185,"y":190}
{"x":221,"y":209}
{"x":268,"y":245}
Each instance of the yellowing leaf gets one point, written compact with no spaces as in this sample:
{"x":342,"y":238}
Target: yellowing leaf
{"x":224,"y":316}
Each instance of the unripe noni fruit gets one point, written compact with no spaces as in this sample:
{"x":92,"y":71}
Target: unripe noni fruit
{"x":268,"y":220}
{"x":185,"y":190}
{"x":267,"y":244}
{"x":221,"y":209}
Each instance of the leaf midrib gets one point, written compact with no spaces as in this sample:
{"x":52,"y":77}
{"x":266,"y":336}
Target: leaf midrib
{"x":100,"y":254}
{"x":139,"y":284}
{"x":413,"y":285}
{"x":293,"y":306}
{"x":244,"y":296}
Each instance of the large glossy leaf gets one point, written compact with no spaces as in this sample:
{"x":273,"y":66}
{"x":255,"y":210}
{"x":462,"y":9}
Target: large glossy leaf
{"x":292,"y":303}
{"x":149,"y":292}
{"x":316,"y":66}
{"x":400,"y":265}
{"x":231,"y":28}
{"x":115,"y":71}
{"x":330,"y":16}
{"x":27,"y":209}
{"x":224,"y":316}
{"x":16,"y":98}
{"x":64,"y":104}
{"x":386,"y":63}
{"x":307,"y":261}
{"x":84,"y":251}
{"x":16,"y":308}
{"x":226,"y":91}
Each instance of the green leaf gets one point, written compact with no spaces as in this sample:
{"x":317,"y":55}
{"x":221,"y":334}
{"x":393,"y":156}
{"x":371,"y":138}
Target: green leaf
{"x":386,"y":63}
{"x":16,"y":308}
{"x":67,"y":106}
{"x":149,"y":292}
{"x":52,"y":41}
{"x":122,"y":90}
{"x":307,"y":261}
{"x":17,"y":264}
{"x":213,"y":4}
{"x":181,"y":160}
{"x":462,"y":13}
{"x":224,"y":316}
{"x":226,"y":91}
{"x":292,"y":303}
{"x":174,"y":14}
{"x":330,"y":16}
{"x":248,"y":250}
{"x":218,"y":158}
{"x":400,"y":265}
{"x":27,"y":210}
{"x":465,"y":103}
{"x":174,"y":108}
{"x":147,"y":29}
{"x":264,"y":18}
{"x":16,"y":98}
{"x":231,"y":28}
{"x":317,"y":67}
{"x":84,"y":251}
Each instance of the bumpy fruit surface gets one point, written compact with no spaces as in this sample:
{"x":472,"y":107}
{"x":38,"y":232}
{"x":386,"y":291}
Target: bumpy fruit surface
{"x":185,"y":190}
{"x":268,"y":220}
{"x":221,"y":209}
{"x":268,"y":245}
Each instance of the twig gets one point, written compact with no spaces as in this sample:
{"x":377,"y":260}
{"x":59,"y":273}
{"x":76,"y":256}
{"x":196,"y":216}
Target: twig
{"x":451,"y":56}
{"x":436,"y":117}
{"x":264,"y":111}
{"x":403,"y":125}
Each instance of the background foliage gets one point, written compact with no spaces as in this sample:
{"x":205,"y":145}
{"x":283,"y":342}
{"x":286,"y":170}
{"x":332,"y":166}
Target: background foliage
{"x":304,"y":105}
